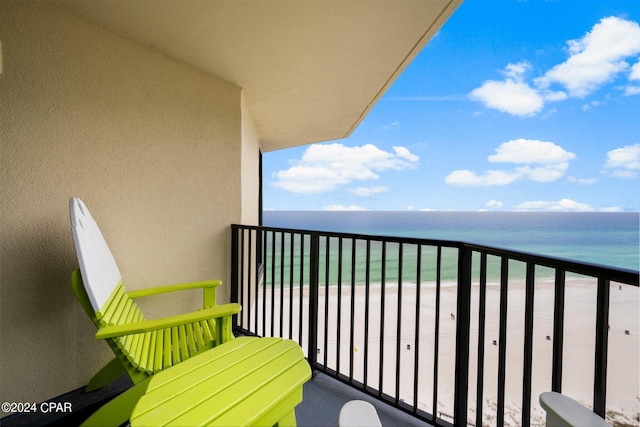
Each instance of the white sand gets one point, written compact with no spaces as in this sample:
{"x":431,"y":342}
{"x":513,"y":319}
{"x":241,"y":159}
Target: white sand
{"x":623,"y":392}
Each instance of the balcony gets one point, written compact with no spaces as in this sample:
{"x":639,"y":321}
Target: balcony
{"x":448,"y":333}
{"x":432,"y":332}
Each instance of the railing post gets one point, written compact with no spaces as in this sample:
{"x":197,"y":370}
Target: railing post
{"x":235,"y":283}
{"x":463,"y":316}
{"x":602,"y":339}
{"x":314,"y":279}
{"x":558,"y":331}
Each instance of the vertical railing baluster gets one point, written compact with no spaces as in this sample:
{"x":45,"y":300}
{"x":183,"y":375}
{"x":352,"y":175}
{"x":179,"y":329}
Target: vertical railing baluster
{"x":265,"y":264}
{"x":314,"y":277}
{"x":383,"y":273}
{"x":352,"y":309}
{"x":301,"y":295}
{"x":339,"y":313}
{"x":273,"y":282}
{"x":602,"y":340}
{"x":367,"y":287}
{"x":558,"y":331}
{"x":482,"y":307}
{"x":436,"y":335}
{"x":327,"y":279}
{"x":463,"y":324}
{"x":399,"y":321}
{"x":502,"y":344}
{"x":280,"y":309}
{"x":291,"y":279}
{"x":416,"y":342}
{"x":260,"y":236}
{"x":528,"y":344}
{"x":250,"y":269}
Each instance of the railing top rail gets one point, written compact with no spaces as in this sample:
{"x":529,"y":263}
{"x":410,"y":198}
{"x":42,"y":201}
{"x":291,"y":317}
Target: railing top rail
{"x":615,"y":274}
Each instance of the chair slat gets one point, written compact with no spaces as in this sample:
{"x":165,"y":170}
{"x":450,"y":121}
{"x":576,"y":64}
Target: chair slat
{"x":136,"y":347}
{"x":112,"y":305}
{"x":198,"y":335}
{"x":144,"y":353}
{"x":184,"y":345}
{"x":175,"y":345}
{"x":191,"y":339}
{"x":119,"y":315}
{"x":157,"y":360}
{"x":152,"y":351}
{"x":126,"y":318}
{"x":206,"y":331}
{"x":166,"y":351}
{"x":214,"y":334}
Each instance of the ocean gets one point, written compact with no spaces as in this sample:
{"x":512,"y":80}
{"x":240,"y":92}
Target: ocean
{"x":611,"y":238}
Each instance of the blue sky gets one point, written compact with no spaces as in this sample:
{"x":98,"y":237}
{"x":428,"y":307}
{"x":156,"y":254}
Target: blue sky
{"x":513,"y":105}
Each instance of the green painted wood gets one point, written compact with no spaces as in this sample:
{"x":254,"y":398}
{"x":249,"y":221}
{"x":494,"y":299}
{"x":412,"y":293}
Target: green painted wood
{"x":247,"y":381}
{"x":182,"y":337}
{"x":117,"y":411}
{"x":221,"y":311}
{"x":144,"y":347}
{"x":203,"y":284}
{"x":106,"y":375}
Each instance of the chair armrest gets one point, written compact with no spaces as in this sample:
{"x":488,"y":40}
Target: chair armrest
{"x":209,"y":287}
{"x":174,"y":288}
{"x":168,"y":322}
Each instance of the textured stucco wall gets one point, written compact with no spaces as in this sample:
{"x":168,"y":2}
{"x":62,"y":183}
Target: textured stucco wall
{"x":250,"y":168}
{"x":152,"y":146}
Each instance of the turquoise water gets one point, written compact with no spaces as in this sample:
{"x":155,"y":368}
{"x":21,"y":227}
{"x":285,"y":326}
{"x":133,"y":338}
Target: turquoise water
{"x":610,"y":239}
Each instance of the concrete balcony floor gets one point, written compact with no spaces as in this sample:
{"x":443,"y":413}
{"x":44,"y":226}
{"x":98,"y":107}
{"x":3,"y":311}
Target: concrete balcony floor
{"x":323,"y":397}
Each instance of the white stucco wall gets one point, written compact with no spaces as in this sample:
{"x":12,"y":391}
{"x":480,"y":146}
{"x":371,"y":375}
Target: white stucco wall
{"x":152,"y":146}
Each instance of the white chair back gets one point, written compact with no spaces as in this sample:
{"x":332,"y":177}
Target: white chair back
{"x":100,"y":273}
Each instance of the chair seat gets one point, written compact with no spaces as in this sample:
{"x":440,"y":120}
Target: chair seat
{"x":247,"y":381}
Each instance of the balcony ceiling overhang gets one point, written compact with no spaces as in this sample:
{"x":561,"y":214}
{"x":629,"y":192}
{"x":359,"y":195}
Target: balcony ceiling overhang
{"x":310,"y":71}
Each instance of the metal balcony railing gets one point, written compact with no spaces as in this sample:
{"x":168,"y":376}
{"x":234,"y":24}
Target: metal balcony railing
{"x":410,"y":321}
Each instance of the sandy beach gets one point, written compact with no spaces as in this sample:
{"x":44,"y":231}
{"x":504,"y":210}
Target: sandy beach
{"x":623,"y":391}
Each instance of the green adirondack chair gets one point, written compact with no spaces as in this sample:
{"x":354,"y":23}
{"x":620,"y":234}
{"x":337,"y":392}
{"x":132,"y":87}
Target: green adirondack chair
{"x":142,"y":347}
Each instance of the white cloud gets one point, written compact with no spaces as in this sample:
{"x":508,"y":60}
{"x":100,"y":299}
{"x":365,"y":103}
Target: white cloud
{"x":582,"y":181}
{"x":563,"y":205}
{"x":541,"y":161}
{"x":368,"y":191}
{"x":632,"y":90}
{"x":325,"y":167}
{"x":344,"y":208}
{"x":624,"y":162}
{"x":634,"y":75}
{"x":466,"y":178}
{"x":494,"y":204}
{"x":635,"y":71}
{"x":611,"y":209}
{"x":512,"y":95}
{"x":589,"y":105}
{"x":596,"y":58}
{"x":404,"y":153}
{"x":527,"y":151}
